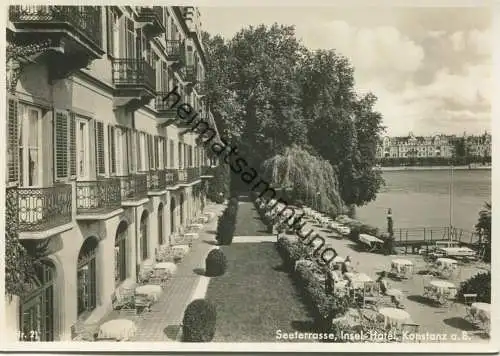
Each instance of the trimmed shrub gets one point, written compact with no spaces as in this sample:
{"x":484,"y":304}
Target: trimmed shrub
{"x":215,"y":263}
{"x":227,"y":223}
{"x":479,"y":284}
{"x":198,"y":324}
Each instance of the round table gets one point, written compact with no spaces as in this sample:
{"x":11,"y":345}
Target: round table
{"x":443,"y":288}
{"x":394,"y":316}
{"x":118,"y":329}
{"x":358,"y":279}
{"x":192,"y":235}
{"x":196,"y":226}
{"x":170,"y":267}
{"x":150,"y":290}
{"x":446,"y":262}
{"x":338,"y":259}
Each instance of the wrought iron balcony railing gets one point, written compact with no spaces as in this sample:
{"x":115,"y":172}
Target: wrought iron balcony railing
{"x":133,"y":186}
{"x":183,"y":176}
{"x":130,"y":72}
{"x":41,"y":209}
{"x":93,"y":197}
{"x":152,"y":15}
{"x":175,"y":50}
{"x":207,"y":171}
{"x":164,"y":104}
{"x":193,"y":173}
{"x":86,"y":20}
{"x":172,"y":177}
{"x":157,"y":180}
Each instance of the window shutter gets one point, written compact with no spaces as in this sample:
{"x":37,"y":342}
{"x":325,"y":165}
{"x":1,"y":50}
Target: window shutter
{"x":112,"y":149}
{"x":156,"y":143}
{"x":13,"y":142}
{"x":101,"y":167}
{"x":138,"y":150}
{"x":150,"y":151}
{"x":109,"y":30}
{"x":72,"y":144}
{"x":133,"y":150}
{"x":165,"y":153}
{"x":61,"y":144}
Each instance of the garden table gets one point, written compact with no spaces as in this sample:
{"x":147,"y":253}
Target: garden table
{"x":357,"y":279}
{"x":395,"y":316}
{"x":168,"y":267}
{"x":338,"y":259}
{"x":196,"y":227}
{"x":152,"y":291}
{"x":458,"y":251}
{"x":148,"y":265}
{"x":402,"y":268}
{"x":192,"y":235}
{"x":180,"y":250}
{"x":204,"y":219}
{"x":446,"y":262}
{"x":443,"y":290}
{"x":118,"y":329}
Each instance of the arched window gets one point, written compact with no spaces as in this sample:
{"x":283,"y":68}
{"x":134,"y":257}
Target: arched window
{"x":144,"y":235}
{"x":37,"y":306}
{"x":120,"y":253}
{"x":86,"y":276}
{"x":160,"y":225}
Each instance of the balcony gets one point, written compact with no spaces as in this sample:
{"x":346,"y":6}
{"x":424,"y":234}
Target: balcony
{"x":171,"y":177}
{"x":150,"y":20}
{"x":174,"y":50}
{"x":133,"y":188}
{"x":193,"y":174}
{"x":207,"y":172}
{"x":183,"y":176}
{"x":71,"y":36}
{"x":166,"y":110}
{"x":96,"y":200}
{"x":190,"y":75}
{"x":134,"y":81}
{"x":43,"y":212}
{"x":157,"y":182}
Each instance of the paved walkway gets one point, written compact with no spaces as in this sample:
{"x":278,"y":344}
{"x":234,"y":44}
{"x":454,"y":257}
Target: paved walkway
{"x":162,"y":323}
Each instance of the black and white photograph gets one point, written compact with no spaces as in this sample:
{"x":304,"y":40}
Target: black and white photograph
{"x":248,"y":176}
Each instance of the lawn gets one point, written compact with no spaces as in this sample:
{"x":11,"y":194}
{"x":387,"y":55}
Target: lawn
{"x":254,"y":297}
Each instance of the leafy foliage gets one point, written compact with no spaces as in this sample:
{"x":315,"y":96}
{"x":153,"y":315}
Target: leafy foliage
{"x":198,"y":324}
{"x":479,"y":284}
{"x":483,"y":228}
{"x":275,"y":99}
{"x":218,"y":187}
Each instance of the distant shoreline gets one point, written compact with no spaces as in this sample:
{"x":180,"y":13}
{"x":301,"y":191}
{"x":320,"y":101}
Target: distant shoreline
{"x":434,"y":168}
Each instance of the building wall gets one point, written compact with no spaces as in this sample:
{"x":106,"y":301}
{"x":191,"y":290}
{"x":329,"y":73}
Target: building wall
{"x":90,"y":93}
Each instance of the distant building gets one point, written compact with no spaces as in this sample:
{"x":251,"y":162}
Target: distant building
{"x":412,"y":146}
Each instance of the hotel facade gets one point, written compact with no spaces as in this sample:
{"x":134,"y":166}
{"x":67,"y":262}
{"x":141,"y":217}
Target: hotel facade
{"x":412,"y":146}
{"x":100,"y":169}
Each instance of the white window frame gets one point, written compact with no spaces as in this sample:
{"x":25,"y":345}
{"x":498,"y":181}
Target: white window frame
{"x":83,"y":146}
{"x":23,"y":122}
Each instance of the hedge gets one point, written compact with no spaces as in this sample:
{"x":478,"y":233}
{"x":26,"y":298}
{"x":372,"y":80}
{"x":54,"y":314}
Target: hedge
{"x":198,"y":324}
{"x":215,"y":263}
{"x":479,"y":284}
{"x":227,"y":223}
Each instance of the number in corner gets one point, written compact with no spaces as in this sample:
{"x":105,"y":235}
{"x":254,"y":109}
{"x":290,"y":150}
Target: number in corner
{"x":32,"y":335}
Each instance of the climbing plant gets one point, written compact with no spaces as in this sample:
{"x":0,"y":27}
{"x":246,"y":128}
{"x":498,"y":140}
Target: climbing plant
{"x":16,"y":55}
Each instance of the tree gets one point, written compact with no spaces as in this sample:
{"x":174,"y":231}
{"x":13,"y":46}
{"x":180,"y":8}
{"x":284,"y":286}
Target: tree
{"x":483,"y":227}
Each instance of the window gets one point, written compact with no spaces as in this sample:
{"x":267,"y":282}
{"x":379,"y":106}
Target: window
{"x":61,"y":144}
{"x":144,"y":236}
{"x":120,"y":253}
{"x":129,"y":39}
{"x":112,"y":32}
{"x":160,"y":225}
{"x":82,"y":143}
{"x":165,"y":153}
{"x":101,"y":166}
{"x":143,"y":153}
{"x":151,"y":157}
{"x":160,"y":160}
{"x":30,"y":139}
{"x":86,"y":277}
{"x":12,"y":142}
{"x":179,"y":150}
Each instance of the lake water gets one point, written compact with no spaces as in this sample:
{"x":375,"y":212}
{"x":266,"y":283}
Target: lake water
{"x":422,"y":199}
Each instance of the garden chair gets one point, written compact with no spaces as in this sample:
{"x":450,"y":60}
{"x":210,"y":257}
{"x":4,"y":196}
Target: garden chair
{"x":469,"y":299}
{"x":124,"y":299}
{"x":371,"y":294}
{"x":159,"y":277}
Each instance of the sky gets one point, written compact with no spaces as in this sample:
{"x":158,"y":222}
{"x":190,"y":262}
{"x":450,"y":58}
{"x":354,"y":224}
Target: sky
{"x":429,"y":67}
